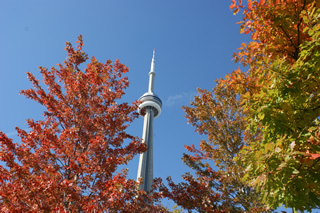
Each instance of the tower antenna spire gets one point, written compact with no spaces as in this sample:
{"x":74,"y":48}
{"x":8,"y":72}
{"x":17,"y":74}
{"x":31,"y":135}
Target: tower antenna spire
{"x":150,"y":108}
{"x":152,"y":73}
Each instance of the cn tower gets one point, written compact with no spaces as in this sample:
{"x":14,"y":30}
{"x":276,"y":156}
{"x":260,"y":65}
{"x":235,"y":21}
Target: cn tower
{"x":150,"y":108}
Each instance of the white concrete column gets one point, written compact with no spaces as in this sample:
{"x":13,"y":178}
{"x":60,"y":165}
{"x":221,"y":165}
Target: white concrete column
{"x":145,"y":169}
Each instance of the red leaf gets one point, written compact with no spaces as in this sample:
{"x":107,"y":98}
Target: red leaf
{"x":250,"y":6}
{"x":314,"y":156}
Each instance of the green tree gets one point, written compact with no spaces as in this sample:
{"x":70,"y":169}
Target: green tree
{"x":262,"y":124}
{"x":280,"y":93}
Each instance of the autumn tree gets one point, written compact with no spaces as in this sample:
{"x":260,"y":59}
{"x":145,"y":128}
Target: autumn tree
{"x":280,"y":96}
{"x":69,"y":161}
{"x":273,"y":130}
{"x":217,"y":186}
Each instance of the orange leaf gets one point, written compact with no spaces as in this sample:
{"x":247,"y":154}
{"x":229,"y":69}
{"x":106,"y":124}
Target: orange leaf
{"x":314,"y":156}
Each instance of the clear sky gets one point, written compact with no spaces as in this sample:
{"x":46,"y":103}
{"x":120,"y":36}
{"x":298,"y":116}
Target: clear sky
{"x":194,"y":42}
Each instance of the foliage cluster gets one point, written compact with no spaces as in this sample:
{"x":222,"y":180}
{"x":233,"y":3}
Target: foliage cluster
{"x":70,"y":160}
{"x":262,"y":124}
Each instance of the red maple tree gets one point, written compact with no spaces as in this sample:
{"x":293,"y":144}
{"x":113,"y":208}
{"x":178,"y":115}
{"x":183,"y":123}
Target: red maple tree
{"x":69,"y":161}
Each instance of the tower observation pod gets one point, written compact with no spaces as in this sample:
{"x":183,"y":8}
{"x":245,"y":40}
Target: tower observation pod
{"x":150,"y":108}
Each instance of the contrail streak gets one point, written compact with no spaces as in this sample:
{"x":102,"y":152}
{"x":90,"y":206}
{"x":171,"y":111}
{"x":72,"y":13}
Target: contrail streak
{"x":9,"y":134}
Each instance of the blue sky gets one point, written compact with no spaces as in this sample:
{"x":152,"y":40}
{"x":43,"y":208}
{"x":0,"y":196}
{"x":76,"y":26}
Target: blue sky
{"x":194,"y":42}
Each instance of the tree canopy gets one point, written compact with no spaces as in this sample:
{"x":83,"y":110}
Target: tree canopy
{"x":280,"y":92}
{"x":69,"y":161}
{"x":217,"y":186}
{"x":263,"y":123}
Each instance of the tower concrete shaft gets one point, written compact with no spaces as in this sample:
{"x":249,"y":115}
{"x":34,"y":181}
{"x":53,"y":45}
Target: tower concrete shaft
{"x":145,"y":169}
{"x":150,"y":108}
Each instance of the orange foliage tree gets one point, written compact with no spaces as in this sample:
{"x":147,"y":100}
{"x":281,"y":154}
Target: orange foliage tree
{"x":217,"y":186}
{"x":70,"y":160}
{"x":263,"y":130}
{"x":280,"y":95}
